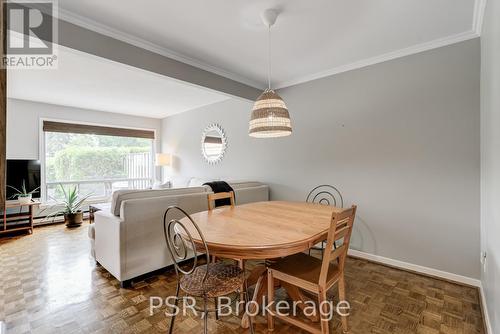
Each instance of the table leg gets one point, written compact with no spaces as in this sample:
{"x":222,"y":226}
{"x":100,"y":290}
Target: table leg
{"x":241,"y":265}
{"x":258,"y":293}
{"x":258,"y":277}
{"x":31,"y":218}
{"x":255,"y":274}
{"x":296,"y":295}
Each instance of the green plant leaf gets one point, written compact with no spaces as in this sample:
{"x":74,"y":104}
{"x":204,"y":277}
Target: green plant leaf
{"x":17,"y":190}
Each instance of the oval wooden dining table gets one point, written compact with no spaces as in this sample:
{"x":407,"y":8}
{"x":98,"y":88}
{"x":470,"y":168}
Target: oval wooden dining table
{"x":263,"y":230}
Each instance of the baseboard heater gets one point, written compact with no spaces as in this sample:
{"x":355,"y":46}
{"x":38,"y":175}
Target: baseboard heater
{"x":41,"y":220}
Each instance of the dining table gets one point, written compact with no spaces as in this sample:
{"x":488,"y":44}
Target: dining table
{"x":263,"y":231}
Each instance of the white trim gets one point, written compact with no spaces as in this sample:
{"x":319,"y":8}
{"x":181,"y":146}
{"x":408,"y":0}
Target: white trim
{"x":484,"y":310}
{"x":41,"y":158}
{"x":478,"y":19}
{"x":90,"y":24}
{"x":382,"y":58}
{"x":141,"y":43}
{"x":416,"y":268}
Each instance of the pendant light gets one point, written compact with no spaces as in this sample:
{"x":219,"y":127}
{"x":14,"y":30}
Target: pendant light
{"x":270,"y":117}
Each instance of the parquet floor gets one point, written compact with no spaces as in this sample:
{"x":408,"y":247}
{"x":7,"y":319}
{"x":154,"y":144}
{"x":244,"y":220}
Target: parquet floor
{"x":50,"y":284}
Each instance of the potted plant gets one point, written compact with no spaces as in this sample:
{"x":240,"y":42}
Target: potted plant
{"x":23,"y":196}
{"x":72,"y":207}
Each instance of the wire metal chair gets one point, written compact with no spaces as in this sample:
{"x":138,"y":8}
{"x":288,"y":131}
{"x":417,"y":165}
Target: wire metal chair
{"x":325,"y":194}
{"x":209,"y":280}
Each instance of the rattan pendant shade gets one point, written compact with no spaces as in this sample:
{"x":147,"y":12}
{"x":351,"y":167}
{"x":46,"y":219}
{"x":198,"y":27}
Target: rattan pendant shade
{"x":270,"y":117}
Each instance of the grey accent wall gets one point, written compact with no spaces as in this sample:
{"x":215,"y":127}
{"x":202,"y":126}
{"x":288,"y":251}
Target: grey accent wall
{"x":490,"y":160}
{"x":400,"y":139}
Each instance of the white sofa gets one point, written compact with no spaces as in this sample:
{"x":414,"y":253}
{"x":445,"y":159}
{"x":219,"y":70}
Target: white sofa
{"x":128,"y":239}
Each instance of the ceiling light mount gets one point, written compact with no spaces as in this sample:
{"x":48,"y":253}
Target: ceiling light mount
{"x":269,"y":17}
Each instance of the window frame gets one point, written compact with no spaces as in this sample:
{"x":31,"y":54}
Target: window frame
{"x":42,"y":146}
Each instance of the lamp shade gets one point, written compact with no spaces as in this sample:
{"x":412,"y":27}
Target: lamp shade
{"x":163,"y":159}
{"x":270,"y":117}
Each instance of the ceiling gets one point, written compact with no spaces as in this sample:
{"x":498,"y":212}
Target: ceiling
{"x":85,"y":81}
{"x":311,"y":39}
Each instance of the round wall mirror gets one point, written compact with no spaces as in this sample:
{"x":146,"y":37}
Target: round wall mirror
{"x":213,"y":143}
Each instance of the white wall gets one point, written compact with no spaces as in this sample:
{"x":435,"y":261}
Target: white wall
{"x":400,"y":139}
{"x":23,"y":124}
{"x":490,"y":159}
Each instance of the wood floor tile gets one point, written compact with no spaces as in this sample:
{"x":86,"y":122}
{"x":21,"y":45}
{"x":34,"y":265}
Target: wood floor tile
{"x":50,"y":284}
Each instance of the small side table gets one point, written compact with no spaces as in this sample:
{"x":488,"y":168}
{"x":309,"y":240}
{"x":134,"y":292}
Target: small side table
{"x":19,"y":221}
{"x":93,"y":208}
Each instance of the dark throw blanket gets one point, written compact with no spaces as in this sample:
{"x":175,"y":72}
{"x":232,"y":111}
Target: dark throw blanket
{"x":220,"y":187}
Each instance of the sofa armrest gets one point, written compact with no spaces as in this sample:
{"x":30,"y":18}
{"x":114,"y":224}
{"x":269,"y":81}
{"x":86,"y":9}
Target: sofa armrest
{"x":108,"y":247}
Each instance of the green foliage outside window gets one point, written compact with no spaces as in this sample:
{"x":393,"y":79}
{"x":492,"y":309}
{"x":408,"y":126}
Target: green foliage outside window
{"x":87,"y":157}
{"x":87,"y":163}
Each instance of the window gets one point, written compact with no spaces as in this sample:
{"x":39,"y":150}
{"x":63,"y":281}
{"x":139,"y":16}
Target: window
{"x":97,"y":160}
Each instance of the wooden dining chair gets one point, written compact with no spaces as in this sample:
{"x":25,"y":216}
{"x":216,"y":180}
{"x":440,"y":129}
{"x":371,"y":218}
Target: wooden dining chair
{"x":315,"y":275}
{"x":209,"y":280}
{"x":212,"y":198}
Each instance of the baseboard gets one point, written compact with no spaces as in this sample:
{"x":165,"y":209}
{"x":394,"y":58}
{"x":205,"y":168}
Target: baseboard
{"x":416,"y":268}
{"x":42,"y":221}
{"x":484,"y":310}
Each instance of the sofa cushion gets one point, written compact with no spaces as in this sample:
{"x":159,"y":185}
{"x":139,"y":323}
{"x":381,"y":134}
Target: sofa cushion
{"x":179,"y":181}
{"x":244,"y":184}
{"x":198,"y":182}
{"x":251,"y":194}
{"x":162,"y":185}
{"x":121,"y":195}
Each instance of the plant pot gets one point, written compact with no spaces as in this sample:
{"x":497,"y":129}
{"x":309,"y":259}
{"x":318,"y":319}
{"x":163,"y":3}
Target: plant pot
{"x":73,"y":219}
{"x":24,"y":200}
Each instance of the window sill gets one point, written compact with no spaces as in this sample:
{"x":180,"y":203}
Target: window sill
{"x":90,"y":201}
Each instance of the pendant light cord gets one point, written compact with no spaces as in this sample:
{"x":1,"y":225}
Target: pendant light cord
{"x":269,"y":58}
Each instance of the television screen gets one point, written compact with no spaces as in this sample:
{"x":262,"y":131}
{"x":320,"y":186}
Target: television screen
{"x":23,"y":170}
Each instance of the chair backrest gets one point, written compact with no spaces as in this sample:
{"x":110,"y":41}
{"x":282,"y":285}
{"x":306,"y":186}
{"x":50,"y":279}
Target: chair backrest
{"x":340,"y":229}
{"x":179,"y":240}
{"x":327,"y":195}
{"x":217,"y":196}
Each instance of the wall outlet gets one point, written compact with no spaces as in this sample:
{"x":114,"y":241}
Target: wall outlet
{"x":483,"y":260}
{"x":483,"y":257}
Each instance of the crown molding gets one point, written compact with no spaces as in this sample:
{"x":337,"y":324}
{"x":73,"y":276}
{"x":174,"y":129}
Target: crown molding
{"x":479,"y":10}
{"x":382,"y":58}
{"x":141,"y":43}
